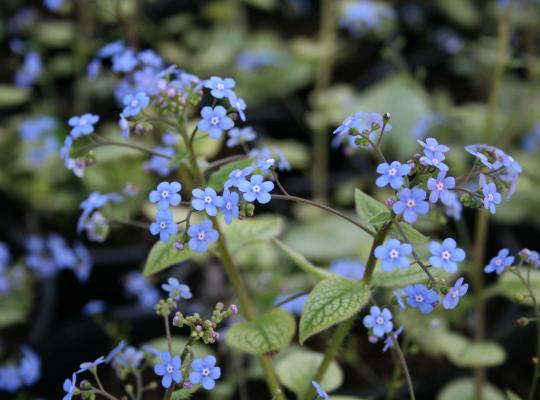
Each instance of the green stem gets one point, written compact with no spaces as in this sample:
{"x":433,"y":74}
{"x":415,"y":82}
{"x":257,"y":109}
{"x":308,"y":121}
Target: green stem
{"x":404,"y":365}
{"x":132,"y":146}
{"x":234,"y":276}
{"x":343,"y":328}
{"x":327,"y":39}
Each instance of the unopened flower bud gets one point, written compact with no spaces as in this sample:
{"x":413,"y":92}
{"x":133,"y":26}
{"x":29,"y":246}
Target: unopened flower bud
{"x":187,"y":385}
{"x":179,"y":245}
{"x":390,"y":201}
{"x":234,"y":309}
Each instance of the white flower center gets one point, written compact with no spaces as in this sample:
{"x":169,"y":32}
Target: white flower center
{"x":82,"y":121}
{"x":207,"y":199}
{"x":134,"y":103}
{"x":379,"y":320}
{"x":446,"y":255}
{"x":394,"y":254}
{"x":419,"y":298}
{"x":392,"y":172}
{"x":201,"y":235}
{"x":454,"y":293}
{"x":228,"y":205}
{"x":434,"y":161}
{"x":498,"y":261}
{"x":238,"y":174}
{"x":220,"y":86}
{"x":490,"y":197}
{"x":205,"y":371}
{"x":165,"y":194}
{"x":440,"y":186}
{"x":214,"y":120}
{"x":411,"y":203}
{"x":162,"y":224}
{"x":256,"y":189}
{"x":170,"y":369}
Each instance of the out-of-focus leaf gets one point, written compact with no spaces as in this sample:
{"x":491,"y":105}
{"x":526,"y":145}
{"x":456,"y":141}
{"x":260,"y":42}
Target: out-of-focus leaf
{"x":463,"y":12}
{"x":15,"y":307}
{"x":464,"y":389}
{"x":57,"y":33}
{"x":466,"y":353}
{"x":261,"y":228}
{"x":11,"y":96}
{"x":510,"y":286}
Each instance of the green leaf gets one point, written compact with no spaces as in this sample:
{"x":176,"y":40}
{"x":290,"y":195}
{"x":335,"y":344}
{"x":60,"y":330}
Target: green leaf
{"x":466,"y":353}
{"x":163,"y":255}
{"x":184,"y":394}
{"x":510,"y":286}
{"x":243,"y":232}
{"x":463,"y":389}
{"x":367,"y":207}
{"x":511,"y":395}
{"x":11,"y":96}
{"x":297,"y":368}
{"x":413,"y":235}
{"x":57,"y":33}
{"x":332,"y":301}
{"x":380,"y":218}
{"x":178,"y":344}
{"x":303,"y":263}
{"x":14,"y":307}
{"x":270,"y":332}
{"x":218,"y":178}
{"x":402,"y":277}
{"x":463,"y":12}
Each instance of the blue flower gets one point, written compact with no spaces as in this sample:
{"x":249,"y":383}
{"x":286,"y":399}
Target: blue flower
{"x":379,"y":321}
{"x":446,"y":255}
{"x":361,"y":17}
{"x":452,"y":297}
{"x":352,"y":269}
{"x":237,"y":176}
{"x":240,"y":135}
{"x":94,"y":307}
{"x":204,"y":370}
{"x":159,"y":164}
{"x":134,"y":104}
{"x":164,"y":226}
{"x":320,"y":392}
{"x":83,"y":125}
{"x":93,"y":69}
{"x":129,"y":358}
{"x":176,"y":289}
{"x":30,"y":366}
{"x":295,"y":306}
{"x":70,"y":387}
{"x":398,"y":294}
{"x":220,"y":87}
{"x":53,"y":5}
{"x":10,"y":379}
{"x":30,"y":70}
{"x":230,"y":207}
{"x":201,"y":234}
{"x":90,"y":365}
{"x":393,"y":254}
{"x":440,"y":188}
{"x":214,"y":121}
{"x":239,"y":105}
{"x":491,"y":197}
{"x":434,"y":153}
{"x":388,"y":342}
{"x":419,"y":296}
{"x":114,"y":352}
{"x":124,"y":61}
{"x":32,"y":129}
{"x":499,"y":262}
{"x":410,"y":203}
{"x":111,"y":49}
{"x":432,"y":145}
{"x":166,"y":195}
{"x":392,"y":174}
{"x":83,"y":266}
{"x":123,"y":124}
{"x":66,"y":148}
{"x":206,"y":200}
{"x":169,"y":369}
{"x":256,"y":189}
{"x":5,"y":255}
{"x":367,"y":124}
{"x":150,"y":58}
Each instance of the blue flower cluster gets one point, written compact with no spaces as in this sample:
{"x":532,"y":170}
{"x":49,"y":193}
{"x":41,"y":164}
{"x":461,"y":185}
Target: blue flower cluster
{"x":138,"y":286}
{"x":38,"y":135}
{"x":92,"y":219}
{"x":26,"y":372}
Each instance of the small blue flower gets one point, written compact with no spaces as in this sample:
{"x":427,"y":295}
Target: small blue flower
{"x":256,"y":189}
{"x":431,"y":144}
{"x":125,"y":61}
{"x":393,"y":254}
{"x":134,"y":104}
{"x":70,"y":387}
{"x":452,"y":297}
{"x":66,"y":148}
{"x":150,"y":58}
{"x":388,"y":342}
{"x":220,"y":87}
{"x":83,"y":125}
{"x":90,"y":365}
{"x":117,"y":349}
{"x":201,"y":234}
{"x":214,"y":121}
{"x":10,"y":379}
{"x":491,"y":197}
{"x":237,"y":176}
{"x":93,"y":69}
{"x":379,"y":321}
{"x":130,"y":357}
{"x":352,"y":269}
{"x":169,"y":369}
{"x":240,"y":135}
{"x":320,"y":392}
{"x":204,"y":370}
{"x":166,"y":195}
{"x":30,"y":366}
{"x":158,"y":164}
{"x":111,"y":49}
{"x":440,"y":188}
{"x":30,"y":70}
{"x":123,"y":124}
{"x":5,"y":255}
{"x":410,"y":203}
{"x":434,"y":153}
{"x":419,"y":296}
{"x":206,"y":200}
{"x":230,"y":207}
{"x":164,"y":226}
{"x":94,"y":307}
{"x":53,"y":5}
{"x":239,"y":105}
{"x":398,"y":294}
{"x":176,"y":289}
{"x":295,"y":306}
{"x":392,"y":174}
{"x":446,"y":255}
{"x":499,"y":262}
